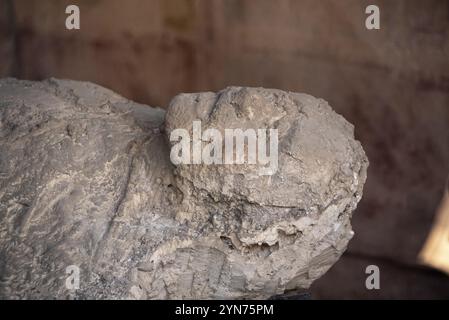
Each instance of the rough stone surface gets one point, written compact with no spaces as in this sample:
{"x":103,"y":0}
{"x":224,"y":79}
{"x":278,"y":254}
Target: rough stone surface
{"x":86,"y":180}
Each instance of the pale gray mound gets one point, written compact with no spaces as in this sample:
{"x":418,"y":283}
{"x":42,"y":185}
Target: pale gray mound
{"x":86,"y":180}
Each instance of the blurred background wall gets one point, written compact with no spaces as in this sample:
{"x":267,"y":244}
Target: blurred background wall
{"x":392,"y":83}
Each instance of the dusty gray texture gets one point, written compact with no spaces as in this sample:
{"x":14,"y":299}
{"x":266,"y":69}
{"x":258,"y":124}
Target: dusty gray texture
{"x":86,"y":179}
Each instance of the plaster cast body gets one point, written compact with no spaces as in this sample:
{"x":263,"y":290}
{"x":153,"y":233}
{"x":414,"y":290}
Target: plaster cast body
{"x":86,"y":180}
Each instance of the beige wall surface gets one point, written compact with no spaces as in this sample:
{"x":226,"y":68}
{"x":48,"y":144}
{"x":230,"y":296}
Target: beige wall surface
{"x":392,"y":84}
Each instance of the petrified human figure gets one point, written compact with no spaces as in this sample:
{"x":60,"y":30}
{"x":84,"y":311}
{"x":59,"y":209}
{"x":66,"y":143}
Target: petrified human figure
{"x":86,"y":180}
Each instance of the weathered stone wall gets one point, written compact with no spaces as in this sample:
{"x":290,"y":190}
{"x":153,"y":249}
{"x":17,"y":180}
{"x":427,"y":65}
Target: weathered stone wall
{"x":7,"y":32}
{"x":393,"y":84}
